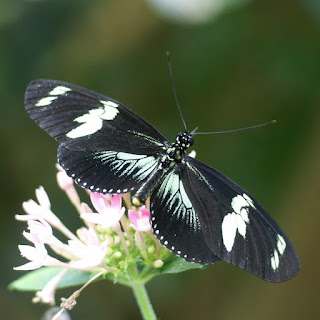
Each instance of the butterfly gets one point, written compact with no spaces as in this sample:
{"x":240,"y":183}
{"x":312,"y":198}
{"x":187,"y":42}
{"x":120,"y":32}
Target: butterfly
{"x":196,"y":212}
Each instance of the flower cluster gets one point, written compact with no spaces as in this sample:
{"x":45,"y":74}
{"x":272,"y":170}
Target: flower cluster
{"x":110,"y":242}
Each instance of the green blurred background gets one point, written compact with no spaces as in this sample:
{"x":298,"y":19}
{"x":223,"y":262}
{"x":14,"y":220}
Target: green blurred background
{"x":244,"y":65}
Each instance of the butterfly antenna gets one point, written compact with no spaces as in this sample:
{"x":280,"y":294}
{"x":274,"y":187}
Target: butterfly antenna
{"x":174,"y":90}
{"x":240,"y":129}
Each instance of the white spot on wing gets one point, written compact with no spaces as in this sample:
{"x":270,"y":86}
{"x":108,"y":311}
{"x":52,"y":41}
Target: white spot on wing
{"x":110,"y":110}
{"x":59,"y":90}
{"x":91,"y":124}
{"x":93,"y":120}
{"x":45,"y":101}
{"x":249,"y":200}
{"x":229,"y":229}
{"x":275,"y":260}
{"x":240,"y":205}
{"x":109,"y":104}
{"x":236,"y":220}
{"x":281,"y":244}
{"x":241,"y":225}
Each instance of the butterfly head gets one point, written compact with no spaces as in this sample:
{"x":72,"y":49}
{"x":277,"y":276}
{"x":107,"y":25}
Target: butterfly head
{"x":184,"y":140}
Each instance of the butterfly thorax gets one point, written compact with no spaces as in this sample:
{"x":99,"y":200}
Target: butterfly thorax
{"x":168,"y":161}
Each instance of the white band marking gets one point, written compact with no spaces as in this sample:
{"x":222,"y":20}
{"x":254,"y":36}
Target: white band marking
{"x":275,"y":260}
{"x":45,"y":101}
{"x":236,"y":220}
{"x":93,"y":120}
{"x":57,"y":91}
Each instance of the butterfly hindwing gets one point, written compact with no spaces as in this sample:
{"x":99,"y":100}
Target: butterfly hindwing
{"x":107,"y":171}
{"x":175,"y":222}
{"x":236,"y":228}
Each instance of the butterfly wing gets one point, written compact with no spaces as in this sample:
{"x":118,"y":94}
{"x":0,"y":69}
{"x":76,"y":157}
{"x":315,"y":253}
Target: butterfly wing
{"x":104,"y":146}
{"x":175,"y":222}
{"x":237,"y":229}
{"x":196,"y":210}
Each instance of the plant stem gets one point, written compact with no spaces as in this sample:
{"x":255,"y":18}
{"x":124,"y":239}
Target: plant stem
{"x":143,"y":301}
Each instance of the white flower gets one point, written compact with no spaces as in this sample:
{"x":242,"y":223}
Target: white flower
{"x":90,"y":254}
{"x":47,"y":294}
{"x":41,"y":210}
{"x":37,"y":255}
{"x":43,"y":198}
{"x":66,"y":184}
{"x":41,"y":229}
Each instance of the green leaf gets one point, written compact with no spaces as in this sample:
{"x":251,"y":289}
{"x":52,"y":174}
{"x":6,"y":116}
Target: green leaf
{"x":174,"y":264}
{"x":37,"y":279}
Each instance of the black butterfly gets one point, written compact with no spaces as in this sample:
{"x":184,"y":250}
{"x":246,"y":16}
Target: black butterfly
{"x":197,"y":213}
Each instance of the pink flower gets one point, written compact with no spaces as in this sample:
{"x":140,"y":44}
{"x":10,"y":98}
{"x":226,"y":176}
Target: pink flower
{"x":140,"y":221}
{"x":109,"y":214}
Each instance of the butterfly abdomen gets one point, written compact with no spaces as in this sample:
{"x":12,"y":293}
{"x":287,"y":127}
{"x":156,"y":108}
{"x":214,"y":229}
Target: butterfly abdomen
{"x":147,"y":188}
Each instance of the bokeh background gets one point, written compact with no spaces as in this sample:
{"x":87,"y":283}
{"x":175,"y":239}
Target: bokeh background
{"x":236,"y":63}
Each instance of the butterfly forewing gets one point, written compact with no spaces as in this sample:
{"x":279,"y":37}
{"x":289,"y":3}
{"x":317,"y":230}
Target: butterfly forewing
{"x":104,"y":146}
{"x":85,"y":120}
{"x":236,"y":228}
